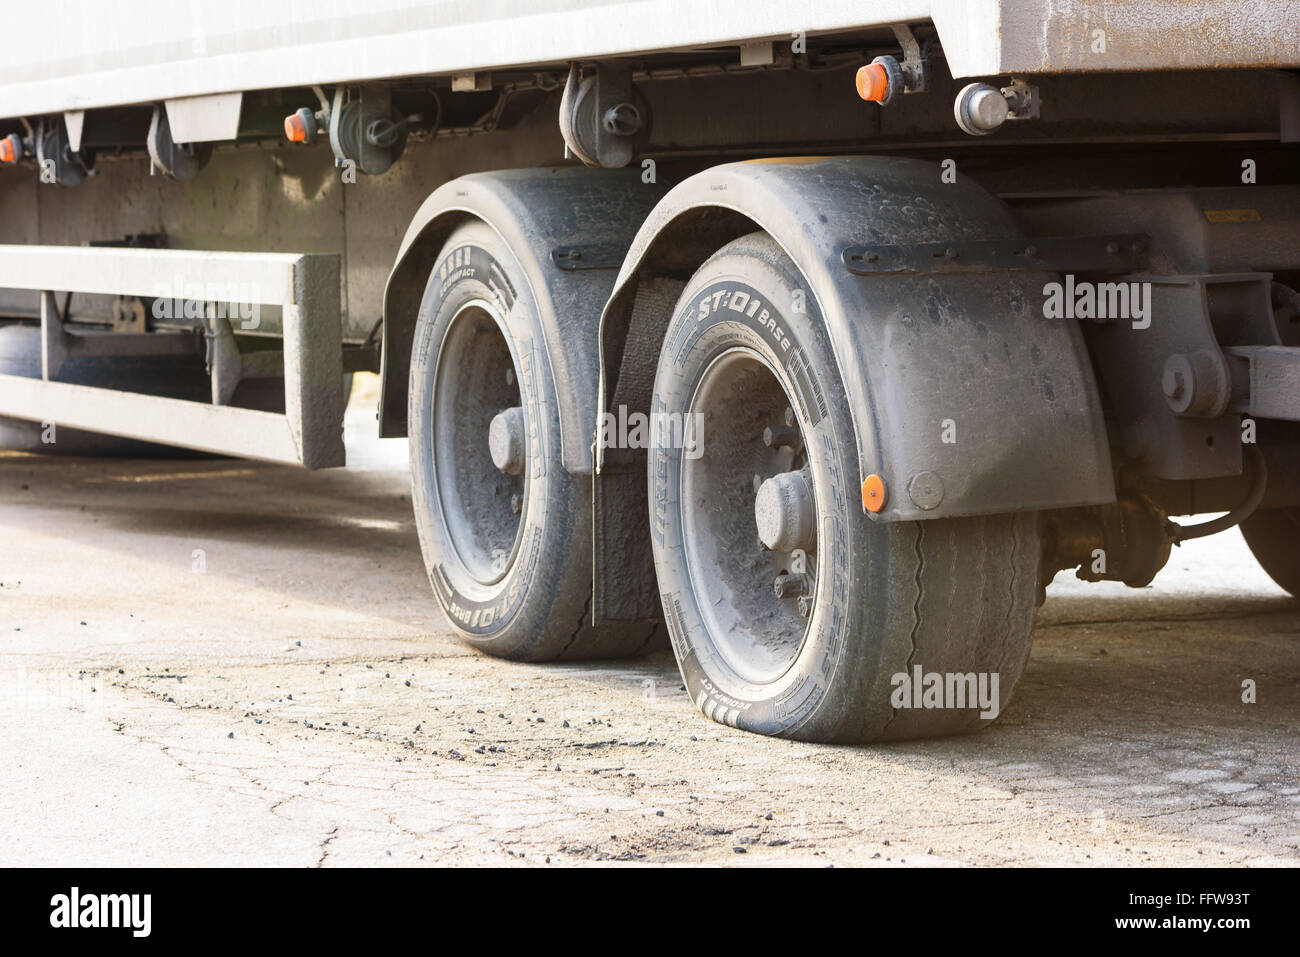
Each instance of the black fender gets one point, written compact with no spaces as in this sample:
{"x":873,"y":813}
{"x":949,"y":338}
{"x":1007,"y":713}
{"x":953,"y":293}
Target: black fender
{"x":966,"y":400}
{"x":570,"y":229}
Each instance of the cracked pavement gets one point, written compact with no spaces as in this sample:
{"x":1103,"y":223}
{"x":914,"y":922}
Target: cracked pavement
{"x":214,"y":662}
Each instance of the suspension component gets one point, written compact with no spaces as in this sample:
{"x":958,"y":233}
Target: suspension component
{"x":57,"y":161}
{"x":1128,"y":540}
{"x":179,"y":161}
{"x":603,"y":118}
{"x":364,"y":132}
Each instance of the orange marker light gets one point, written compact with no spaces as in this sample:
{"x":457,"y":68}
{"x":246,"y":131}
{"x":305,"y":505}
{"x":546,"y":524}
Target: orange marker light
{"x":873,"y":493}
{"x":295,"y":128}
{"x":873,"y":82}
{"x":10,"y":149}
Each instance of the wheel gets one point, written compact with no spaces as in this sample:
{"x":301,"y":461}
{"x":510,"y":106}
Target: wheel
{"x":1272,"y":535}
{"x":790,"y":611}
{"x":505,"y":530}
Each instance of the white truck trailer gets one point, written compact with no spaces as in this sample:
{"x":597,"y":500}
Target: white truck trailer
{"x":812,"y":338}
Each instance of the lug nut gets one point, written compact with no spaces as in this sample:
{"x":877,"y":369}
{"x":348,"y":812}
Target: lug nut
{"x":516,"y":504}
{"x":506,"y":441}
{"x":790,"y":586}
{"x":782,"y":436}
{"x":805,"y":605}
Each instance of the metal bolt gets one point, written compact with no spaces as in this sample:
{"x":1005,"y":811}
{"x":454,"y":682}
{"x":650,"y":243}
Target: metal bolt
{"x":790,"y":586}
{"x":926,"y":490}
{"x":805,"y":606}
{"x":782,"y":436}
{"x":623,"y":119}
{"x":789,"y":416}
{"x":516,"y":504}
{"x":1196,"y":383}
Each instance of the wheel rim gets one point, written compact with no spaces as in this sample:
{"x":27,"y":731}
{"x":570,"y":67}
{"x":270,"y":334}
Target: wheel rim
{"x":480,"y":505}
{"x":756,"y":601}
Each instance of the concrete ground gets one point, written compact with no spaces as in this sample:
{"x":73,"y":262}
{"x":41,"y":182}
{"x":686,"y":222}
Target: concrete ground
{"x":221,"y":662}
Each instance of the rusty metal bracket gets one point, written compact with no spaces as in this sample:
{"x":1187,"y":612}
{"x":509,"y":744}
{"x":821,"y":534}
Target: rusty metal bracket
{"x":914,"y":66}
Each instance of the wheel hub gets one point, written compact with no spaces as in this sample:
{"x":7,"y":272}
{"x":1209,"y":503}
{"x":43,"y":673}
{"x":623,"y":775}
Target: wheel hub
{"x":749,"y":517}
{"x":479,"y":442}
{"x":507,"y":441}
{"x":784,"y":513}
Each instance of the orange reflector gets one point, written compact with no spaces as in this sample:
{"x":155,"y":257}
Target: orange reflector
{"x":7,"y":151}
{"x":873,"y":493}
{"x":295,"y":128}
{"x":873,"y":82}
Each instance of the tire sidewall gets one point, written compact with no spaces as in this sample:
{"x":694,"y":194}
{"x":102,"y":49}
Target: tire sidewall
{"x":501,"y":618}
{"x":711,"y":317}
